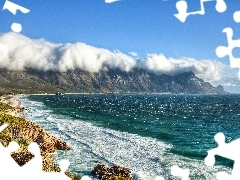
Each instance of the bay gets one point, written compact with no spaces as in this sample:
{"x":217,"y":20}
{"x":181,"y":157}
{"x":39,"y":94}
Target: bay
{"x":145,"y":132}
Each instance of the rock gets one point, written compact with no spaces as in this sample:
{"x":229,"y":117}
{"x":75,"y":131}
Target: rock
{"x":100,"y":170}
{"x":35,"y":133}
{"x":220,"y":90}
{"x":49,"y":143}
{"x":122,"y":171}
{"x":22,"y":157}
{"x":116,"y":172}
{"x":72,"y":176}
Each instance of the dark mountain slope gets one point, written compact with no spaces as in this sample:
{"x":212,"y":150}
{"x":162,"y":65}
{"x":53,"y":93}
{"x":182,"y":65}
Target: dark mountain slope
{"x":111,"y":81}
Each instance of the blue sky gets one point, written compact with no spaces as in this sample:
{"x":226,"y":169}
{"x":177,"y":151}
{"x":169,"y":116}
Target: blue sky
{"x":141,"y":26}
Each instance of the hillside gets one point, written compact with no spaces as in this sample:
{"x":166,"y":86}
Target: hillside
{"x":108,"y":81}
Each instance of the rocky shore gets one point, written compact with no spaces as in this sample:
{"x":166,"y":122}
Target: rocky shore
{"x":24,"y":132}
{"x":103,"y":172}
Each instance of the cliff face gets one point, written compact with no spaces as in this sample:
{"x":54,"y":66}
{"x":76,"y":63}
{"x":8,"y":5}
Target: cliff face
{"x":108,"y":81}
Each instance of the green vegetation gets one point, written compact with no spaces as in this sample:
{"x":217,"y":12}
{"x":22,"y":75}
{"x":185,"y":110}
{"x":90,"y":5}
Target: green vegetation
{"x":4,"y":107}
{"x":22,"y":156}
{"x":5,"y":136}
{"x":12,"y":120}
{"x":5,"y":139}
{"x":23,"y":143}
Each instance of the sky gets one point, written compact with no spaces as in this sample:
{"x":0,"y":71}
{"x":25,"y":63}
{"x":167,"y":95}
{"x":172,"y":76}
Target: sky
{"x":132,"y":30}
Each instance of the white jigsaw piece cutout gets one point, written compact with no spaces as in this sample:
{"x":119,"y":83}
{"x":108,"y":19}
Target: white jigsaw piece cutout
{"x":86,"y":178}
{"x":111,"y":1}
{"x":177,"y":171}
{"x":236,"y":16}
{"x":222,"y":51}
{"x":182,"y":7}
{"x":12,"y":7}
{"x":228,"y":150}
{"x":31,"y":170}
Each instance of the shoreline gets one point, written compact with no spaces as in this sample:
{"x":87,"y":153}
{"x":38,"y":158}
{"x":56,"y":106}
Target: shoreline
{"x":30,"y":117}
{"x":31,"y":132}
{"x":12,"y":101}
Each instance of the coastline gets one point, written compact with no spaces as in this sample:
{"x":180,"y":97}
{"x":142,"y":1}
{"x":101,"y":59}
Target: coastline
{"x":37,"y":114}
{"x":24,"y":132}
{"x":12,"y":101}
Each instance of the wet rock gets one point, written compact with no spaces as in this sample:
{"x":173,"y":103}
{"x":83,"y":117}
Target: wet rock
{"x":114,"y":173}
{"x":122,"y":171}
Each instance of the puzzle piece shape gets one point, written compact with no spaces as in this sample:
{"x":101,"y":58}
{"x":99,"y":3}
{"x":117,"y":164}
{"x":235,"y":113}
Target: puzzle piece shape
{"x":64,"y":164}
{"x":86,"y":178}
{"x":177,"y":171}
{"x":12,"y":7}
{"x":31,"y":170}
{"x":16,"y":27}
{"x":7,"y":162}
{"x":224,"y":176}
{"x":111,"y":1}
{"x":228,"y":150}
{"x":159,"y":178}
{"x":34,"y":166}
{"x":222,"y":51}
{"x":4,"y":126}
{"x":182,"y":7}
{"x":236,"y":16}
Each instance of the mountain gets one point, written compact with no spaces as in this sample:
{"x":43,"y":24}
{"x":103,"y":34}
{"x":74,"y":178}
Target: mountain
{"x":105,"y":81}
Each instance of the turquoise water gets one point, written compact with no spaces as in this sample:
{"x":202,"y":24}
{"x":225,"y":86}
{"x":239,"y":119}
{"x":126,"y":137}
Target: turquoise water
{"x":147,"y":133}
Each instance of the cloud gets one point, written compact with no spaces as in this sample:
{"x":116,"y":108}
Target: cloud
{"x":18,"y":52}
{"x":21,"y":53}
{"x":134,"y":54}
{"x":229,"y":77}
{"x":205,"y":69}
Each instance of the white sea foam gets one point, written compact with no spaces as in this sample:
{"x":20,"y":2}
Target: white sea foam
{"x":91,"y":145}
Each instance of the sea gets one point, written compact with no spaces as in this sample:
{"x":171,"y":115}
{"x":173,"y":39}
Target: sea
{"x":148,"y":133}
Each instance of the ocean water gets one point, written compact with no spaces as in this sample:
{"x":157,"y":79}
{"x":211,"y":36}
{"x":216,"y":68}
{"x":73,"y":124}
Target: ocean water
{"x":147,"y":133}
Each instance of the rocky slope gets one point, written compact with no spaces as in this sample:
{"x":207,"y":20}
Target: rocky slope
{"x":108,"y":81}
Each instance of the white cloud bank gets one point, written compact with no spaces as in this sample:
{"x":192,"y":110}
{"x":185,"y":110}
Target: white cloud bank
{"x":18,"y":52}
{"x":205,"y":69}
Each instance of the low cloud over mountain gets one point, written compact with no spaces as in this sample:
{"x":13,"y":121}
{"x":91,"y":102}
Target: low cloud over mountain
{"x":18,"y":52}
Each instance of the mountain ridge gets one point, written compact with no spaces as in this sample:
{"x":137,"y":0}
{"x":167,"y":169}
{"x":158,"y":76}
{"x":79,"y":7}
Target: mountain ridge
{"x":105,"y":81}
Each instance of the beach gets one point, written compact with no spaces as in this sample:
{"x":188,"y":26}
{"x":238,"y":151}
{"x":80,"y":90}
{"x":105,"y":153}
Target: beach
{"x":12,"y":101}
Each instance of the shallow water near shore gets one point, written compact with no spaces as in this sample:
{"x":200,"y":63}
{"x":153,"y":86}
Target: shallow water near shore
{"x":147,"y":133}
